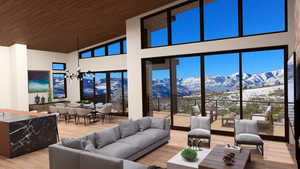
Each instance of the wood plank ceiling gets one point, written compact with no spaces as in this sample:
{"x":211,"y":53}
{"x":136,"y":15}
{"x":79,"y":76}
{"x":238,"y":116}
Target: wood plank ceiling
{"x":53,"y":25}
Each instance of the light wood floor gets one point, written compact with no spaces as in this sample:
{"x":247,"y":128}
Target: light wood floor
{"x":277,"y":155}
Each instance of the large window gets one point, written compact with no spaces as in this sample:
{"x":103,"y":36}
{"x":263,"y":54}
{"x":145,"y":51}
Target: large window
{"x":106,"y":87}
{"x":244,"y":84}
{"x":101,"y":86}
{"x":222,"y":89}
{"x":185,"y":23}
{"x":263,"y":90}
{"x":59,"y":86}
{"x":155,"y":32}
{"x":263,"y":16}
{"x":203,"y":20}
{"x":58,"y":66}
{"x":99,"y":51}
{"x":220,"y":19}
{"x":88,"y":85}
{"x":115,"y":48}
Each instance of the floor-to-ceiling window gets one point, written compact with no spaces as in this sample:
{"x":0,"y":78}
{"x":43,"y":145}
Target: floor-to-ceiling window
{"x":263,"y":90}
{"x":188,"y":89}
{"x":106,"y":87}
{"x":100,"y":87}
{"x":243,"y":84}
{"x":158,"y":87}
{"x":222,"y":90}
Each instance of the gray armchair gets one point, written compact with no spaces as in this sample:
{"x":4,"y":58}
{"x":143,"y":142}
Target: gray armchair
{"x":246,"y":132}
{"x":200,"y":129}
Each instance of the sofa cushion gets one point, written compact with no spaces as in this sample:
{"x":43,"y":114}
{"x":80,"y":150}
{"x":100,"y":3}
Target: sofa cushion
{"x":88,"y":145}
{"x":133,"y":165}
{"x":200,"y":132}
{"x":144,"y":123}
{"x":128,"y":128}
{"x":156,"y":134}
{"x":118,"y":150}
{"x":158,"y":123}
{"x":76,"y":143}
{"x":248,"y":139}
{"x":141,"y":141}
{"x":105,"y":137}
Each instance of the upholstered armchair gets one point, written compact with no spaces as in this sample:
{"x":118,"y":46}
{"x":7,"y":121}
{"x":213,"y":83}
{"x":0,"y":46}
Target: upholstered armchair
{"x":246,"y":132}
{"x":200,"y":129}
{"x":264,"y":119}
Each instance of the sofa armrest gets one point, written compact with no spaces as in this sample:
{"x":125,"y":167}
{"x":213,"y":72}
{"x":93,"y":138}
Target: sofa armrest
{"x":61,"y":157}
{"x":96,"y":161}
{"x":167,"y":124}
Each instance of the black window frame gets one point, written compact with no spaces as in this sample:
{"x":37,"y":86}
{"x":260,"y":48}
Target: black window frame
{"x":284,"y":138}
{"x":202,"y":38}
{"x":95,"y":97}
{"x":92,"y":50}
{"x":65,"y":86}
{"x":64,"y":64}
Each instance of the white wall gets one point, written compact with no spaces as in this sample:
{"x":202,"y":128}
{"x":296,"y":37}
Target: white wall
{"x":14,"y":81}
{"x":42,"y":60}
{"x":19,"y":77}
{"x":135,"y":53}
{"x":5,"y":85}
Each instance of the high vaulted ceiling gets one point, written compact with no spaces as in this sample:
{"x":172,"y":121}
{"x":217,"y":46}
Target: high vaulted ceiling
{"x":53,"y":25}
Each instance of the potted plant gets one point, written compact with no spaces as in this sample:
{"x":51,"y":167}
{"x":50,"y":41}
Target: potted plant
{"x":189,"y":154}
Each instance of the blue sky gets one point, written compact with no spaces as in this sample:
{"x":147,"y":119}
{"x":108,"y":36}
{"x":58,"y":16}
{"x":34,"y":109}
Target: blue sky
{"x":221,"y":21}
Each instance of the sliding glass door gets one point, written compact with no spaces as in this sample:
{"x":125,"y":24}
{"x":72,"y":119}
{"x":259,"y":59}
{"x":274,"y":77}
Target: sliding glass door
{"x":188,"y":89}
{"x":158,"y":88}
{"x":222,"y":94}
{"x":244,"y":84}
{"x":116,"y":91}
{"x":263,"y":90}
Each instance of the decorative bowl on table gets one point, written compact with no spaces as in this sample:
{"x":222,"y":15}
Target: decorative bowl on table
{"x":229,"y":159}
{"x":189,"y":154}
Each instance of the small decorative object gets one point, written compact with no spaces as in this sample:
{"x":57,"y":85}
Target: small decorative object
{"x":229,"y":159}
{"x":37,"y":99}
{"x":43,"y":100}
{"x":189,"y":154}
{"x":232,"y":149}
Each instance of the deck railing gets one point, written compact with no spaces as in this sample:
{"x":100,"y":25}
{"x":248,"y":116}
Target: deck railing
{"x":221,"y":106}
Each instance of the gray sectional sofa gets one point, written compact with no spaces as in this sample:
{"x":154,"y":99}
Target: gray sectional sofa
{"x":113,"y":148}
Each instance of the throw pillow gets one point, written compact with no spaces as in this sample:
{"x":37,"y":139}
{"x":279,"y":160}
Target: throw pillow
{"x":144,"y":123}
{"x":158,"y":123}
{"x":88,"y":145}
{"x":105,"y":137}
{"x":128,"y":128}
{"x":75,"y":143}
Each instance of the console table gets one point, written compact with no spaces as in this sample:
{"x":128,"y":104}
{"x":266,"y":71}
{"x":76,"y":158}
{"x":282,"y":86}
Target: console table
{"x":24,"y":132}
{"x":44,"y":107}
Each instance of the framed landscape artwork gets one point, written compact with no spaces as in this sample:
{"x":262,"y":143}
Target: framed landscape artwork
{"x":38,"y":81}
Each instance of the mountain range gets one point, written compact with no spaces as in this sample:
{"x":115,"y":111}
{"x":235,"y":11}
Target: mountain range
{"x":191,"y":85}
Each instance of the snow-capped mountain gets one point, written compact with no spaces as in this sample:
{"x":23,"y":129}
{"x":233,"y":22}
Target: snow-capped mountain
{"x":191,"y":86}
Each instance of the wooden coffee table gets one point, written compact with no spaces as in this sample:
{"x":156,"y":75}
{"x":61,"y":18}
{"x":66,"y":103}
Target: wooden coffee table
{"x":214,"y":160}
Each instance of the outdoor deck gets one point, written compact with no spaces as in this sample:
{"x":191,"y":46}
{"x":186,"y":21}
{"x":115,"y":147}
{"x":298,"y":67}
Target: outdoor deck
{"x":182,"y":119}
